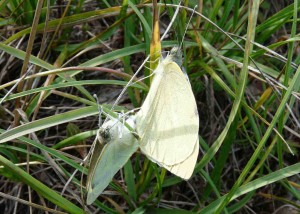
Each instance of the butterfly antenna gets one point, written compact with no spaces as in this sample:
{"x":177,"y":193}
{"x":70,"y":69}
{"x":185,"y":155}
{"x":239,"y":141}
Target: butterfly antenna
{"x":99,"y":109}
{"x":180,"y":46}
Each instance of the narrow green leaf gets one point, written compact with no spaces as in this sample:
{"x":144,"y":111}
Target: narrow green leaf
{"x":40,"y":188}
{"x":254,"y":185}
{"x":47,"y":122}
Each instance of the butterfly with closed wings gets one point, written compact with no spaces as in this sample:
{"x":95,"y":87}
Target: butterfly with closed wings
{"x":168,"y":121}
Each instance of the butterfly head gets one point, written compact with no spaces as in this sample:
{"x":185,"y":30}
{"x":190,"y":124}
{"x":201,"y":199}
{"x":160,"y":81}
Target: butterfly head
{"x":104,"y":134}
{"x":175,"y":55}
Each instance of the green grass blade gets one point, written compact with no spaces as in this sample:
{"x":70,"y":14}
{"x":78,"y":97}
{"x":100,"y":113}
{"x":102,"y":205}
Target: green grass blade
{"x":256,"y":184}
{"x":70,"y":84}
{"x":40,"y":188}
{"x":47,"y":122}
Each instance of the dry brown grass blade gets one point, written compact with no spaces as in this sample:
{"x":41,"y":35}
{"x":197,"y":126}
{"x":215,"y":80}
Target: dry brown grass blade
{"x":28,"y":53}
{"x":48,"y":82}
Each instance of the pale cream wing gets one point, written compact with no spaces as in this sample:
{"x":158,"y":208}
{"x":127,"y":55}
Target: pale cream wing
{"x":107,"y":162}
{"x":168,"y":121}
{"x":185,"y":169}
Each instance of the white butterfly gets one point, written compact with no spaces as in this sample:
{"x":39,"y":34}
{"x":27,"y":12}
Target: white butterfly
{"x":168,"y":121}
{"x":115,"y":153}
